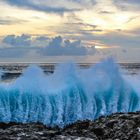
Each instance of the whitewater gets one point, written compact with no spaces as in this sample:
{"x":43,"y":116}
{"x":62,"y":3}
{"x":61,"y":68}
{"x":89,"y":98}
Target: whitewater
{"x":69,"y":94}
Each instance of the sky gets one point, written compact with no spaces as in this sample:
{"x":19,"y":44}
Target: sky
{"x":86,"y":30}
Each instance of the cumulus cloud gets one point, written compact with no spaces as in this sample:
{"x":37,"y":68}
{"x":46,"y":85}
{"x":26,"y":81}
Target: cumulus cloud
{"x":59,"y":46}
{"x":18,"y":41}
{"x":56,"y":46}
{"x":40,"y":41}
{"x":42,"y":38}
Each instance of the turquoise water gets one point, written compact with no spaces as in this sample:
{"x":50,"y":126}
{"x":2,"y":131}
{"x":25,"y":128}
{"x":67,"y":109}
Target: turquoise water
{"x":67,"y":95}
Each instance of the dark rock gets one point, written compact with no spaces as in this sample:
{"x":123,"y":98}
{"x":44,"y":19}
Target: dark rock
{"x":111,"y":123}
{"x":119,"y":126}
{"x":99,"y":132}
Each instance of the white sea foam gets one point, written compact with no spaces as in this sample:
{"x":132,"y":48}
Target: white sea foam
{"x":69,"y":94}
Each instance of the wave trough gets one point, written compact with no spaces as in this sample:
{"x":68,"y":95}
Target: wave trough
{"x":67,"y":95}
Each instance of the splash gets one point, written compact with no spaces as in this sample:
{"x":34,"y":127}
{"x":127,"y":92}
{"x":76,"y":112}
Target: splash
{"x":1,"y":74}
{"x":67,"y":95}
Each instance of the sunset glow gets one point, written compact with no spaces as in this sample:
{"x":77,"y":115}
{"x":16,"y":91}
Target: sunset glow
{"x":102,"y":24}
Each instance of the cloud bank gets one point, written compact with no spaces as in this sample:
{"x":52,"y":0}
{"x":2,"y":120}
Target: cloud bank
{"x":59,"y":46}
{"x":56,"y":46}
{"x":18,"y":41}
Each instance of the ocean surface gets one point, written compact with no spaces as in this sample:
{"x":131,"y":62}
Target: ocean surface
{"x":59,"y":94}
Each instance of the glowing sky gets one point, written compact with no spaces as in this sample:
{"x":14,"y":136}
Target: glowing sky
{"x":103,"y":23}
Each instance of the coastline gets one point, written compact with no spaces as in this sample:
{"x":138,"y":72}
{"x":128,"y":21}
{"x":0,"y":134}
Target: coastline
{"x":118,"y":126}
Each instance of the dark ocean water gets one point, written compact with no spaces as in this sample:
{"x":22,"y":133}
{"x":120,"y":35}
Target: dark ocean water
{"x":12,"y":71}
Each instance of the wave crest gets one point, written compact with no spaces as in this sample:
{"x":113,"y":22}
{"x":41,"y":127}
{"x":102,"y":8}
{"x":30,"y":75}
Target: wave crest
{"x":67,"y":95}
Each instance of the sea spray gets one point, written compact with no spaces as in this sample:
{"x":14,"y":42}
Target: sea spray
{"x":67,"y":95}
{"x":1,"y":74}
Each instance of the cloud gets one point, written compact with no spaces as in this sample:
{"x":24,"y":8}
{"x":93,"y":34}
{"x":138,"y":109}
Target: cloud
{"x":122,"y":40}
{"x":53,"y":6}
{"x":106,"y":12}
{"x":81,"y":24}
{"x":42,"y":38}
{"x":25,"y":40}
{"x":10,"y":21}
{"x":17,"y":41}
{"x":87,"y":3}
{"x":127,"y":4}
{"x":132,"y":1}
{"x":56,"y":46}
{"x":136,"y":32}
{"x":12,"y":52}
{"x":42,"y":5}
{"x":77,"y":27}
{"x":6,"y":22}
{"x":59,"y":46}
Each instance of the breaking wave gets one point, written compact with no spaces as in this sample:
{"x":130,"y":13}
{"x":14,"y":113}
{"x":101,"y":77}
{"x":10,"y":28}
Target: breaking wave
{"x":67,"y":95}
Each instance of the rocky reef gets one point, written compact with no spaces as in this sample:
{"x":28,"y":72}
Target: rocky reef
{"x":119,"y":126}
